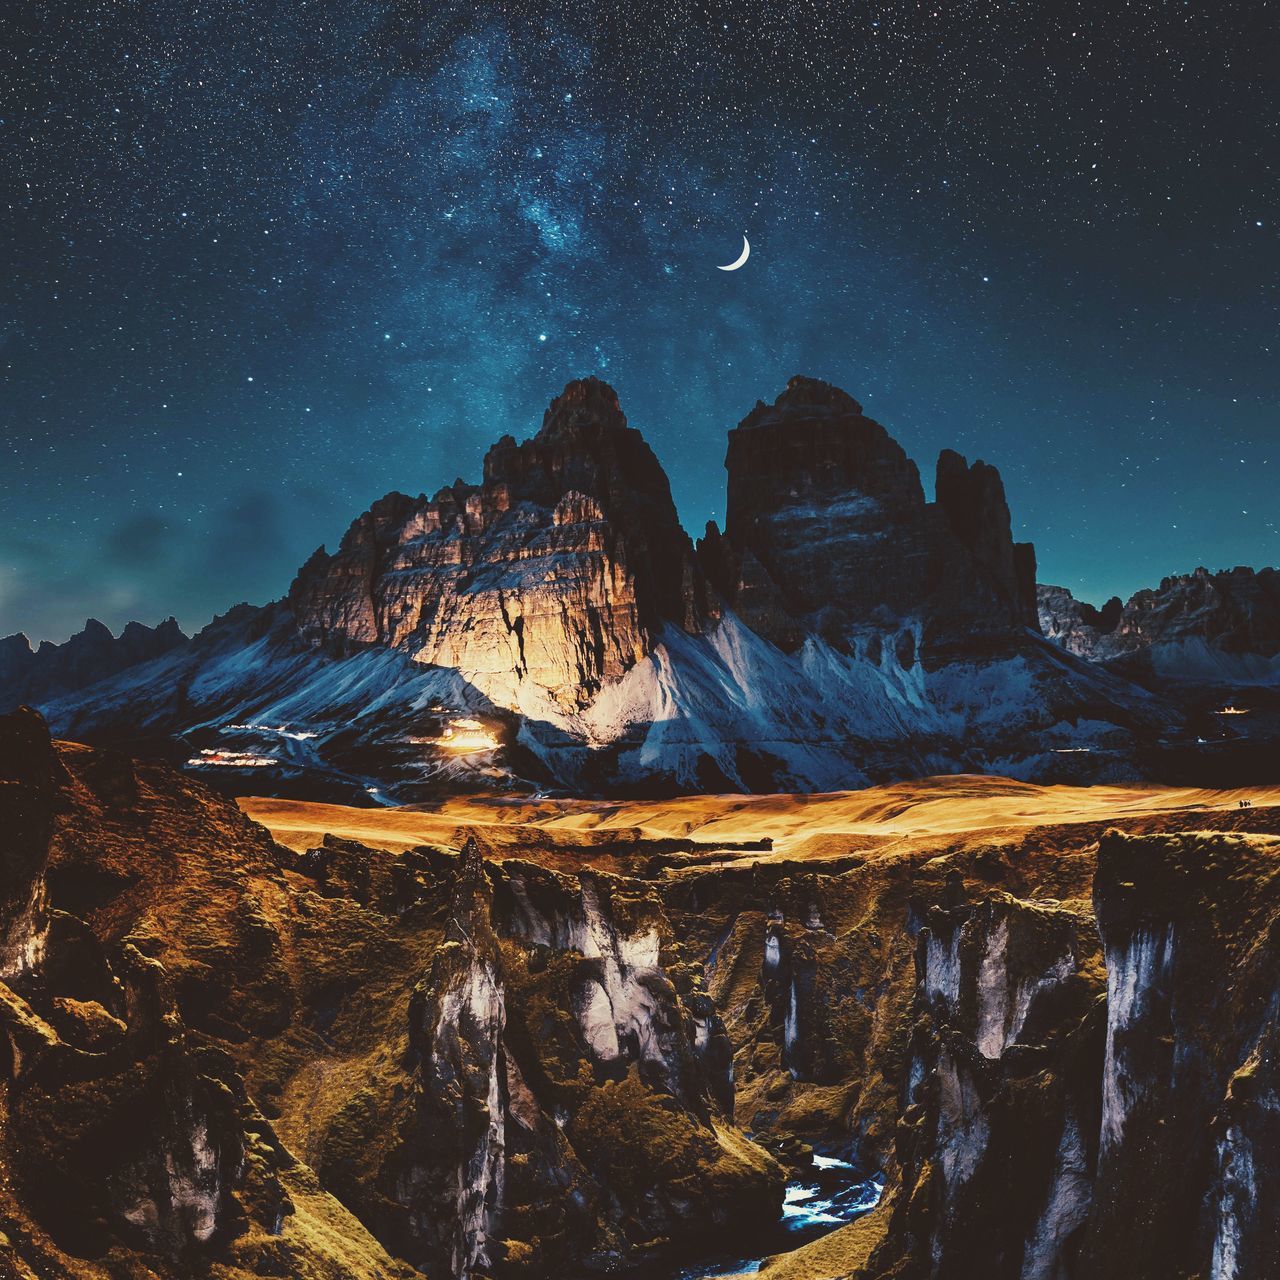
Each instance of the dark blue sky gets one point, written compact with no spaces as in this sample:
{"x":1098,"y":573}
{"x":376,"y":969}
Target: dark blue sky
{"x":271,"y":260}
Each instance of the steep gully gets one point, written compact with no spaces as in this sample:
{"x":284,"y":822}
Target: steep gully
{"x":558,"y":1055}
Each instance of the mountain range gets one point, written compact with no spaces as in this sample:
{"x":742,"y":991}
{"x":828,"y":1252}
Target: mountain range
{"x":553,"y":627}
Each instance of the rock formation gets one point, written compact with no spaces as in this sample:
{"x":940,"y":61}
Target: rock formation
{"x":827,"y":530}
{"x":1187,"y":1174}
{"x":540,"y":1053}
{"x":549,"y":579}
{"x":999,"y":1134}
{"x":552,"y":627}
{"x":1074,"y":1111}
{"x":91,"y":655}
{"x":523,"y":1072}
{"x":27,"y":782}
{"x":555,"y":1053}
{"x":1235,"y":613}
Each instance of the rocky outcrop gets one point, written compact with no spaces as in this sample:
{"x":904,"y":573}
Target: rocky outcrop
{"x":574,"y":1087}
{"x":127,"y":1135}
{"x":94,"y":654}
{"x":1187,"y":1172}
{"x":454,"y":1164}
{"x":115,"y":1127}
{"x":998,"y":1135}
{"x":492,"y":1068}
{"x":27,"y":782}
{"x":1074,"y":624}
{"x":549,"y":579}
{"x":1233,"y":612}
{"x":1073,"y":1110}
{"x":972,"y":498}
{"x":827,"y":530}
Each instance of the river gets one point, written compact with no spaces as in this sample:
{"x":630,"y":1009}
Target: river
{"x":829,"y":1195}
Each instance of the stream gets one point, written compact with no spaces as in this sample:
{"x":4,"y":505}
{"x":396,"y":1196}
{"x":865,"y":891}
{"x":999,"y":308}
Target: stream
{"x":829,"y":1195}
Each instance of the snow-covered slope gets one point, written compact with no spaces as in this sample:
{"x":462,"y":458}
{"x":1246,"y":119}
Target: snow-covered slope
{"x":249,"y":703}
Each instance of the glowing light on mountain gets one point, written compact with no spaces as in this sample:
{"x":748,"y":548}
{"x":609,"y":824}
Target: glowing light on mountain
{"x":218,"y":758}
{"x":466,"y":736}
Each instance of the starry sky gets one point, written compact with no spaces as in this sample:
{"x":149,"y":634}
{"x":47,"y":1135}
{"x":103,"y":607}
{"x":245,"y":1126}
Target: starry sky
{"x":268,"y":261}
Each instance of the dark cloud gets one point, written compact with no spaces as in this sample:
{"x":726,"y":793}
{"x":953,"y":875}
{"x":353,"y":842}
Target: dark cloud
{"x":140,"y":542}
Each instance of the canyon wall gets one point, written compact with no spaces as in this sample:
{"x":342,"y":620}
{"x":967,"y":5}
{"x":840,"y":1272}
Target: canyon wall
{"x":545,"y":1052}
{"x":347,"y":1063}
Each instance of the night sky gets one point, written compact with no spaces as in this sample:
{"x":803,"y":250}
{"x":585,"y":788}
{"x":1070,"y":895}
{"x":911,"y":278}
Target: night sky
{"x":268,"y":261}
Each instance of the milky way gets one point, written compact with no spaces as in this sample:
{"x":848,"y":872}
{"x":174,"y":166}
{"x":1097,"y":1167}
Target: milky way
{"x":272,"y":260}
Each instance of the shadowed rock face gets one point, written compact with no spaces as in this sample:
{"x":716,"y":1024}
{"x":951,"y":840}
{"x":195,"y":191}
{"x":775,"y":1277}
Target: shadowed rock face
{"x":998,"y":1135}
{"x":547,"y":580}
{"x":827,"y":529}
{"x":27,"y":781}
{"x":492,"y":1068}
{"x":1063,"y":1120}
{"x":131,"y":1145}
{"x":113,"y":1127}
{"x":1188,"y":1173}
{"x":1001,"y":571}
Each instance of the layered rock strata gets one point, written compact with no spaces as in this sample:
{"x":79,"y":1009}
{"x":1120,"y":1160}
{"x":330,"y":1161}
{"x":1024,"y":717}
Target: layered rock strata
{"x":549,"y":579}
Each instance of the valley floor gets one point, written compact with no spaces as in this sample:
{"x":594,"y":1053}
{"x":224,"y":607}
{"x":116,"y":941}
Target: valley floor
{"x":909,"y":815}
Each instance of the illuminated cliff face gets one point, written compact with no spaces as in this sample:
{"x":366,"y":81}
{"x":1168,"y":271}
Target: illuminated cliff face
{"x":546,"y":581}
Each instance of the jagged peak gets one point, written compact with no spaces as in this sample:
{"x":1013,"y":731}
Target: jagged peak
{"x":96,"y":629}
{"x":971,"y":494}
{"x":583,"y":401}
{"x":804,"y":397}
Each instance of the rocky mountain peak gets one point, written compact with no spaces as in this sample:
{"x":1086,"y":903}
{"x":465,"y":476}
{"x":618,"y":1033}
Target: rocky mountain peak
{"x":547,"y":579}
{"x":1234,"y":611}
{"x":585,"y":446}
{"x":827,"y":529}
{"x":92,"y":654}
{"x":805,"y":397}
{"x":585,"y":403}
{"x":972,"y":498}
{"x":813,"y":448}
{"x":15,"y":653}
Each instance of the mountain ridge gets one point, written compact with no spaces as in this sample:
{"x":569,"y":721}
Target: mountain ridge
{"x":554,"y":626}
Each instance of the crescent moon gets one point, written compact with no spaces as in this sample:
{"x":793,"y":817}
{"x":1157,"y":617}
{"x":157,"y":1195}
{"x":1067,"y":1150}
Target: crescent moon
{"x":746,"y":253}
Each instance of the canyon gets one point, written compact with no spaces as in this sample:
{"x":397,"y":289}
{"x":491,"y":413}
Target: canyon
{"x":511,"y":1036}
